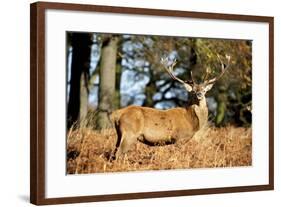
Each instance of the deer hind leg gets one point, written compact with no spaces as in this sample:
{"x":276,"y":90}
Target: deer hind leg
{"x":118,"y":141}
{"x":123,"y":143}
{"x":127,"y":140}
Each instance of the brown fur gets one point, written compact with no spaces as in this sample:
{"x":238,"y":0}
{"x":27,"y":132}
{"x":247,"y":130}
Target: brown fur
{"x":155,"y":126}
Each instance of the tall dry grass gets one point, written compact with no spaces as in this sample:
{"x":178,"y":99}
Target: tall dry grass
{"x":88,"y":151}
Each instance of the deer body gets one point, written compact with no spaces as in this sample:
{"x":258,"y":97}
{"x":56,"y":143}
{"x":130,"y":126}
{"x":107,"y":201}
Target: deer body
{"x":153,"y":126}
{"x":157,"y":127}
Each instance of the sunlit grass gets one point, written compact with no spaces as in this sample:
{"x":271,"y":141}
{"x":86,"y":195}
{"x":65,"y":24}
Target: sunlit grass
{"x":88,"y":151}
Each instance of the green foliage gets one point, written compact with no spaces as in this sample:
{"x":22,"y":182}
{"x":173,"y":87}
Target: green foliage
{"x":200,"y":55}
{"x":236,"y":82}
{"x":232,"y":93}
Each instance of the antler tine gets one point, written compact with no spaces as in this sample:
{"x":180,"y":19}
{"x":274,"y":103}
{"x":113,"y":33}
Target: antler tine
{"x":206,"y":74}
{"x":169,"y":69}
{"x":223,"y":69}
{"x":192,"y":78}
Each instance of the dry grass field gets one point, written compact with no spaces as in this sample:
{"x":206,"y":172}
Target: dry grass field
{"x":88,"y":151}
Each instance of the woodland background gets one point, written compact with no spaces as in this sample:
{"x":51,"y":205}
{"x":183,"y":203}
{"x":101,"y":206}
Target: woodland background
{"x":110,"y":71}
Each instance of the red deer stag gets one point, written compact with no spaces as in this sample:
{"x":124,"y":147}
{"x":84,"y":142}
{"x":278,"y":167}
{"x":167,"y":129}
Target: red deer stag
{"x":155,"y":127}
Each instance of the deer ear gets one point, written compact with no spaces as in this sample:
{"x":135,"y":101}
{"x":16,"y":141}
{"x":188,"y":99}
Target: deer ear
{"x":209,"y":87}
{"x":188,"y":87}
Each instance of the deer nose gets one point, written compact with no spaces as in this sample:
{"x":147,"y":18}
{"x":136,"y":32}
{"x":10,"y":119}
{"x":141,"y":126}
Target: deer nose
{"x":199,"y":95}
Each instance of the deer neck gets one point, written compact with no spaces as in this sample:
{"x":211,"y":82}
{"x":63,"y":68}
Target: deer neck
{"x":199,"y":107}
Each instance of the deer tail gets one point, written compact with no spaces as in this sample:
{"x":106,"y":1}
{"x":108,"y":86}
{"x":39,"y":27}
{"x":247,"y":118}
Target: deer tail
{"x":116,"y":115}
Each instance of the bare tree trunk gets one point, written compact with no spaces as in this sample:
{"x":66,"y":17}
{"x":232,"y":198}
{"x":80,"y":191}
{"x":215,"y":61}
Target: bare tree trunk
{"x":221,"y":107}
{"x":117,"y":95}
{"x":81,"y":52}
{"x":84,"y":95}
{"x":150,"y":90}
{"x":107,"y":81}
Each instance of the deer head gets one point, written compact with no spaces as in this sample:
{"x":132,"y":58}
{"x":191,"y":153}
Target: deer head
{"x":197,"y":89}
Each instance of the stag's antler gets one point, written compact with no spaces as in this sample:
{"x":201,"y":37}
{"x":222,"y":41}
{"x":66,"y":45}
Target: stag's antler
{"x":208,"y":71}
{"x":223,"y":69}
{"x":192,"y":78}
{"x":170,"y":69}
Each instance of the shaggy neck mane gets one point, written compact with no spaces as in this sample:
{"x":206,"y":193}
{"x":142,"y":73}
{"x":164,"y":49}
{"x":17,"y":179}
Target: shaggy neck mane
{"x":200,"y":109}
